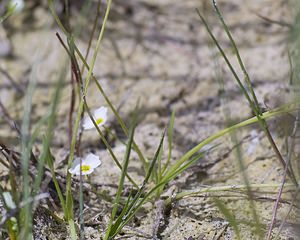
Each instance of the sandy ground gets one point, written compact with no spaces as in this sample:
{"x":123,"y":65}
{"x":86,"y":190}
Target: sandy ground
{"x":160,"y":54}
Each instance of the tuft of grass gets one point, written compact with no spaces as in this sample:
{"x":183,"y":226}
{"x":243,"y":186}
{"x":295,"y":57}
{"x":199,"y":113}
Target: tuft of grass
{"x":111,"y":229}
{"x":250,"y":96}
{"x":132,"y":206}
{"x":158,"y":174}
{"x":9,"y":11}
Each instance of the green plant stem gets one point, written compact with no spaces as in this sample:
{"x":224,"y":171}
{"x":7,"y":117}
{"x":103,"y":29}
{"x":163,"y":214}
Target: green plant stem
{"x":221,"y":133}
{"x":121,"y":182}
{"x":107,"y":145}
{"x":49,"y":133}
{"x":252,"y":102}
{"x":193,"y":193}
{"x":9,"y":12}
{"x":56,"y":184}
{"x":170,"y":142}
{"x":75,"y":69}
{"x":121,"y":122}
{"x":240,"y":61}
{"x":92,"y":35}
{"x":25,"y":155}
{"x":69,"y":200}
{"x":144,"y":160}
{"x":131,"y":208}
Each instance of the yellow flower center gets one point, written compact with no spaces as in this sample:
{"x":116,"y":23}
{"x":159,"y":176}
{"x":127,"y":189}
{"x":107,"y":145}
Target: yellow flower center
{"x":99,"y":120}
{"x":85,"y":168}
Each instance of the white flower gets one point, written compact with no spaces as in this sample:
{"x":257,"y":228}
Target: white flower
{"x":100,"y":117}
{"x":18,"y":3}
{"x":87,"y":166}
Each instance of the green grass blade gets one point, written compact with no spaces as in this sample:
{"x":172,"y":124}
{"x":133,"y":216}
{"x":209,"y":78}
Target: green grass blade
{"x":49,"y":161}
{"x":185,"y":166}
{"x":9,"y":12}
{"x":56,"y":18}
{"x":26,"y":154}
{"x":154,"y":161}
{"x":158,"y":173}
{"x":252,"y":101}
{"x":144,"y":160}
{"x":214,"y":189}
{"x":80,"y":110}
{"x":245,"y":178}
{"x":229,"y":216}
{"x":49,"y":133}
{"x":136,"y":203}
{"x":240,"y":61}
{"x":75,"y":65}
{"x":83,"y":59}
{"x":242,"y":87}
{"x":111,"y":230}
{"x":239,"y":155}
{"x":170,"y":141}
{"x":92,"y":34}
{"x":190,"y":153}
{"x":108,"y":146}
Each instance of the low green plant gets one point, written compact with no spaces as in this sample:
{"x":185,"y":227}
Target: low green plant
{"x":158,"y":172}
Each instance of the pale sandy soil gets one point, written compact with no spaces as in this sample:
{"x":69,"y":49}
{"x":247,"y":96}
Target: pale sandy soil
{"x":161,"y":55}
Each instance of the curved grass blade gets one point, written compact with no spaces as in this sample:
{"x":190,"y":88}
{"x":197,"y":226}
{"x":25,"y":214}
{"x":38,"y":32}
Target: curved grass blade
{"x":136,"y":203}
{"x":252,"y":102}
{"x":9,"y":12}
{"x":26,"y":154}
{"x":121,"y":181}
{"x":229,"y":216}
{"x":170,"y":140}
{"x":75,"y":68}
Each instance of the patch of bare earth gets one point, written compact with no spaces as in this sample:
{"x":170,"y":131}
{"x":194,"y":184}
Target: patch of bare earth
{"x":160,"y":55}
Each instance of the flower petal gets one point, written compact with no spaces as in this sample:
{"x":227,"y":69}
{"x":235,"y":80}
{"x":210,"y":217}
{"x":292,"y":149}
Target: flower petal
{"x":75,"y":166}
{"x":92,"y":160}
{"x":102,"y":111}
{"x":100,"y":115}
{"x":75,"y":170}
{"x":87,"y":123}
{"x":76,"y":162}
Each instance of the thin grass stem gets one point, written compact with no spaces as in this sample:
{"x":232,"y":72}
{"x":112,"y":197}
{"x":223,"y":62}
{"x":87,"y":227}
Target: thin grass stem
{"x":121,"y":181}
{"x":26,"y":154}
{"x":212,"y":189}
{"x":219,"y":134}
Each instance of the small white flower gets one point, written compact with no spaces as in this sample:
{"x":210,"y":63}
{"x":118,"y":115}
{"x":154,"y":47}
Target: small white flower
{"x":18,"y":3}
{"x":100,"y":117}
{"x":87,"y":166}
